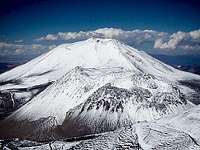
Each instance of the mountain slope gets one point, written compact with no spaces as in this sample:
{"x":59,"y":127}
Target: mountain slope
{"x":95,"y":101}
{"x":67,"y":92}
{"x":97,"y":85}
{"x":187,"y":121}
{"x":124,"y":101}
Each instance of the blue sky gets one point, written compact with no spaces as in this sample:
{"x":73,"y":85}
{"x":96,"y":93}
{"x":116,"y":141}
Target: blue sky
{"x":21,"y":18}
{"x":24,"y":21}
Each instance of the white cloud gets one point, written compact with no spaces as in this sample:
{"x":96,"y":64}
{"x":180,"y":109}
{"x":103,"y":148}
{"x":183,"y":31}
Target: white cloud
{"x":130,"y":37}
{"x":49,"y":37}
{"x":195,"y":34}
{"x":180,"y":40}
{"x":16,"y":49}
{"x":161,"y":40}
{"x":19,"y":51}
{"x":158,"y":42}
{"x":19,"y":41}
{"x":51,"y":46}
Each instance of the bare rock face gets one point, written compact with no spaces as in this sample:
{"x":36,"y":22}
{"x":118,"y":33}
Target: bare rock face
{"x":6,"y":100}
{"x":111,"y":107}
{"x":39,"y":130}
{"x":141,"y":136}
{"x":12,"y":99}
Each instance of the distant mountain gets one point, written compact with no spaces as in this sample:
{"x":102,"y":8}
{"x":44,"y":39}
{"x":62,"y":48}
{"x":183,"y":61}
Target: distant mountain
{"x":189,"y":68}
{"x":7,"y":66}
{"x":179,"y":59}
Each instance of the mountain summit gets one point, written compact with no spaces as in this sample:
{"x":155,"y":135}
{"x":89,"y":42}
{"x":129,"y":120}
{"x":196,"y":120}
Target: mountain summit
{"x":92,"y":53}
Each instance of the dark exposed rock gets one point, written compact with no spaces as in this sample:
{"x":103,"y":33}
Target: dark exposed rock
{"x":194,"y":97}
{"x":9,"y":101}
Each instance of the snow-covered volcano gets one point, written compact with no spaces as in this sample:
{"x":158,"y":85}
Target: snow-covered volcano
{"x":97,"y":85}
{"x":24,"y":82}
{"x":92,"y":53}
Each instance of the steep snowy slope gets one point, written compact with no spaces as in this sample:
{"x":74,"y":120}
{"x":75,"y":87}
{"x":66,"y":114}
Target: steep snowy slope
{"x":87,"y":101}
{"x":67,"y":92}
{"x":124,"y":101}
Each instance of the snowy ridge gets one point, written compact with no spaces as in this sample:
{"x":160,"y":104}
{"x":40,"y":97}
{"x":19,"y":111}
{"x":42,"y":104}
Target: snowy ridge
{"x":77,"y":86}
{"x":99,"y":100}
{"x":124,"y":102}
{"x":66,"y":93}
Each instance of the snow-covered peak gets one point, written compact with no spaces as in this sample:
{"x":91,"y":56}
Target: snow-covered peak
{"x":91,"y":53}
{"x":100,"y":40}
